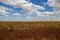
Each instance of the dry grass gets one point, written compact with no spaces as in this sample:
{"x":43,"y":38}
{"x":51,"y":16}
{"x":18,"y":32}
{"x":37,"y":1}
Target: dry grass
{"x":29,"y":30}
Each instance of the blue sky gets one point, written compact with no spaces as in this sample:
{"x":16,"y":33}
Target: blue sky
{"x":26,"y":10}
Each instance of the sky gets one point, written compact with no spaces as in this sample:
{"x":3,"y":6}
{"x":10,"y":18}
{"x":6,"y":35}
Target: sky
{"x":29,"y":10}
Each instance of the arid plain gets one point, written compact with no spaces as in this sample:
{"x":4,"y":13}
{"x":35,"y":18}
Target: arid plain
{"x":47,"y":30}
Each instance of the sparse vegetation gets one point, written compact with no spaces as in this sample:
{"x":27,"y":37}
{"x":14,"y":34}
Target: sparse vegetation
{"x":29,"y":30}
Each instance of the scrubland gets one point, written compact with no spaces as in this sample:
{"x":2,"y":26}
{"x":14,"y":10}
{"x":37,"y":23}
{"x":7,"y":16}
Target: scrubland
{"x":30,"y":30}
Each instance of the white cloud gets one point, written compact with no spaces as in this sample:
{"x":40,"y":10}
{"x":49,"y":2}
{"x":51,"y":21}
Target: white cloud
{"x":56,"y":6}
{"x":16,"y":14}
{"x":54,"y":3}
{"x":51,"y":2}
{"x":26,"y":5}
{"x":48,"y":13}
{"x":40,"y":14}
{"x":30,"y":8}
{"x":44,"y":14}
{"x":3,"y":11}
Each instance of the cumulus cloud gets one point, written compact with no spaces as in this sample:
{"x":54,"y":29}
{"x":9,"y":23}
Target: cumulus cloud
{"x":16,"y":14}
{"x":51,"y":2}
{"x":56,"y":6}
{"x":54,"y":3}
{"x":26,"y":5}
{"x":44,"y":14}
{"x":40,"y":14}
{"x":3,"y":11}
{"x":48,"y":13}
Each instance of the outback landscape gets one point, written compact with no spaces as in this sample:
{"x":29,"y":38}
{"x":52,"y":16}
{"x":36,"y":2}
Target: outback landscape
{"x":30,"y":30}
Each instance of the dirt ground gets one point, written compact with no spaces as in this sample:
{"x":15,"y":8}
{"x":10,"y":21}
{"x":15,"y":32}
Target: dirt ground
{"x":29,"y":30}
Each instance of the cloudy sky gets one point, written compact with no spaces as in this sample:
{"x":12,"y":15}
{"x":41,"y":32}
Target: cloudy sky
{"x":29,"y":10}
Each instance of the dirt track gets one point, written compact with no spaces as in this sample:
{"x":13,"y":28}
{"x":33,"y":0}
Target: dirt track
{"x":29,"y":30}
